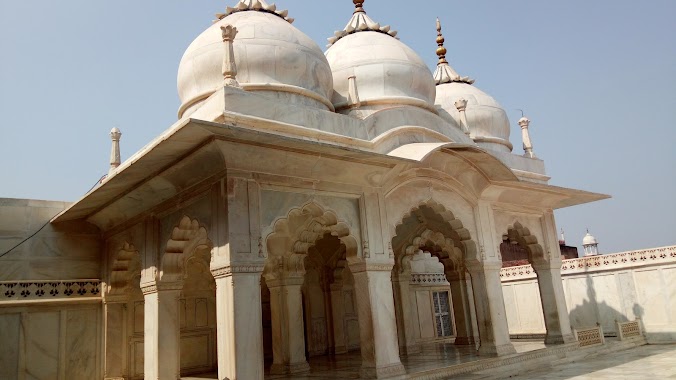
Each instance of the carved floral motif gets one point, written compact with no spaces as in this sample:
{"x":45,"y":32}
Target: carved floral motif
{"x":46,"y":290}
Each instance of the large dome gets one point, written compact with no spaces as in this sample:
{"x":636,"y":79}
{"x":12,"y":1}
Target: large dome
{"x":383,"y":70}
{"x":273,"y":58}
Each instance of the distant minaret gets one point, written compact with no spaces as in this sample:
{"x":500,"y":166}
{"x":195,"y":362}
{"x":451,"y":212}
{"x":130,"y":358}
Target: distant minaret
{"x":562,"y":240}
{"x":115,"y":135}
{"x":590,"y":245}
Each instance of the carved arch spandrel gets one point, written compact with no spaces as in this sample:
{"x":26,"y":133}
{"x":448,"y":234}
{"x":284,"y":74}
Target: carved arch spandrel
{"x":188,"y":239}
{"x":126,"y":264}
{"x":294,"y":235}
{"x":456,"y":247}
{"x":522,"y":235}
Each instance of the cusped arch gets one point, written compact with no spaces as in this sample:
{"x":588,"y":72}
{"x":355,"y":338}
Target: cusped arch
{"x":522,"y":236}
{"x":126,"y":264}
{"x":295,"y":234}
{"x":457,"y":243}
{"x":444,"y":250}
{"x":188,"y":239}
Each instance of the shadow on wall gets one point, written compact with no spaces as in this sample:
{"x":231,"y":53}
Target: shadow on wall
{"x":592,"y":312}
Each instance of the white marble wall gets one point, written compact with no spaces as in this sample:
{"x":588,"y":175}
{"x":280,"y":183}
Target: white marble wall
{"x":602,"y":289}
{"x":50,"y":342}
{"x":68,"y":250}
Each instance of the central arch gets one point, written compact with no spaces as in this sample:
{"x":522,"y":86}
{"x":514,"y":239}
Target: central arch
{"x":433,"y":299}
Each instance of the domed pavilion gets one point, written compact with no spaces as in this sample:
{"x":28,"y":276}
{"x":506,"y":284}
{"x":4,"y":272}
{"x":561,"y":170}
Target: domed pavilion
{"x":312,"y":203}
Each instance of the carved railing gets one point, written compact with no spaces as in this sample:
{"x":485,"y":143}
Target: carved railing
{"x":520,"y":272}
{"x":643,"y":257}
{"x":429,"y":279}
{"x":626,"y":330}
{"x":12,"y":291}
{"x":620,"y":260}
{"x":589,"y":336}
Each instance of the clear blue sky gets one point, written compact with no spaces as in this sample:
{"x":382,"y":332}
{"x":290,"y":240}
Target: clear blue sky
{"x":597,"y":79}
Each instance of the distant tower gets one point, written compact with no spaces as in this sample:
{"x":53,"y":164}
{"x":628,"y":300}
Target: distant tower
{"x":562,"y":239}
{"x":590,"y":245}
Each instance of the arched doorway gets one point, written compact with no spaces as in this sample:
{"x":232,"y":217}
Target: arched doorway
{"x":197,"y":315}
{"x":308,"y":296}
{"x":433,"y":296}
{"x":548,"y":270}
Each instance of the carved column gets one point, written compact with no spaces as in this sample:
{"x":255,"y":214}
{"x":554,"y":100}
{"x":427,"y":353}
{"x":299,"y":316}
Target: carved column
{"x":407,"y":315}
{"x":239,"y":325}
{"x":461,"y":308}
{"x":553,"y":302}
{"x":552,"y":297}
{"x":288,"y":337}
{"x":490,"y":308}
{"x":162,"y":344}
{"x":115,"y":338}
{"x":338,"y":314}
{"x":377,"y":325}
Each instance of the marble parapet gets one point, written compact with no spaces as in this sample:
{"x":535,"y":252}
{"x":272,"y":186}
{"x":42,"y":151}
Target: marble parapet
{"x":615,"y":261}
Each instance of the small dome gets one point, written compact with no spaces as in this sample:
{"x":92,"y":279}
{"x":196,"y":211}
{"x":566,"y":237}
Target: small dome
{"x":486,"y":119}
{"x":273,"y":58}
{"x":589,"y":239}
{"x":385,"y":72}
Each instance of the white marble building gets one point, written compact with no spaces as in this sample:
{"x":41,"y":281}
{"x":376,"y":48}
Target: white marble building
{"x":305,"y":203}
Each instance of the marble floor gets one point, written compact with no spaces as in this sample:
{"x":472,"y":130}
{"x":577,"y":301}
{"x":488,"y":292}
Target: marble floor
{"x":347,"y":366}
{"x":645,"y":362}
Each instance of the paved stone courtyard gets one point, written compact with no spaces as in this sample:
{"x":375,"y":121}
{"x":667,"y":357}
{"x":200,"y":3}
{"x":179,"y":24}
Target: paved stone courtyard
{"x":645,"y":362}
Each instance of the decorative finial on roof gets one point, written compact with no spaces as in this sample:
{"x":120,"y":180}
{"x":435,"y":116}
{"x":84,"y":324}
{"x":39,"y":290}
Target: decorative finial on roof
{"x":358,"y":5}
{"x":115,"y":161}
{"x":228,"y":32}
{"x":254,"y":5}
{"x":524,"y":123}
{"x":441,"y":50}
{"x":444,"y":72}
{"x":360,"y":22}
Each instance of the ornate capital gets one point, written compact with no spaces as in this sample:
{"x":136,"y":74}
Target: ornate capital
{"x":524,"y":122}
{"x":371,"y":267}
{"x":227,"y":271}
{"x":228,"y":32}
{"x":461,"y":104}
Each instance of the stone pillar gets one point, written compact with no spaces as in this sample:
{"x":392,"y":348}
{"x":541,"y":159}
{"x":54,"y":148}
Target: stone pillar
{"x":115,"y":339}
{"x":408,"y":326}
{"x":239,"y":325}
{"x":461,"y":309}
{"x":288,"y":331}
{"x":162,"y":344}
{"x":338,"y":314}
{"x":553,"y":302}
{"x":490,"y":308}
{"x":377,"y":324}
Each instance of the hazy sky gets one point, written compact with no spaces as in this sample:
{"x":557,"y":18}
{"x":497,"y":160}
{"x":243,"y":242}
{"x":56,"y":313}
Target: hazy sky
{"x":597,"y":79}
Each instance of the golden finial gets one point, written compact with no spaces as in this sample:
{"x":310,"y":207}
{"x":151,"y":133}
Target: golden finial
{"x":358,"y":5}
{"x":441,"y":50}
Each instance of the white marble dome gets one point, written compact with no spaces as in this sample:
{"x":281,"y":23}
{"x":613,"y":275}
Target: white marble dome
{"x":273,"y":59}
{"x":589,"y":239}
{"x":486,"y":119}
{"x":387,"y":73}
